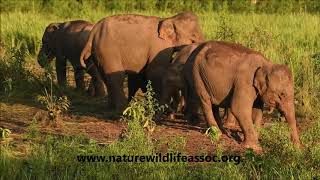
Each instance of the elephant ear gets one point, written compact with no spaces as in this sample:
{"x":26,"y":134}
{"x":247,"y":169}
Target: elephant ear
{"x":260,"y":80}
{"x":166,"y":30}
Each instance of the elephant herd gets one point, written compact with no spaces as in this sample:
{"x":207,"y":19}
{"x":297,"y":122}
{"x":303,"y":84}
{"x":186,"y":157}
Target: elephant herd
{"x":173,"y":54}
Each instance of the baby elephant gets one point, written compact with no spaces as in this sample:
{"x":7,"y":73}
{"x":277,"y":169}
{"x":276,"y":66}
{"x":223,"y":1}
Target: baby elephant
{"x":229,"y":75}
{"x":172,"y":81}
{"x":65,"y":41}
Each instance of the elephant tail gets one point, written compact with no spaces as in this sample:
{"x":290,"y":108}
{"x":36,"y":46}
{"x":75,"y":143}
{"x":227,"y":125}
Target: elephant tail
{"x":86,"y":52}
{"x":200,"y":72}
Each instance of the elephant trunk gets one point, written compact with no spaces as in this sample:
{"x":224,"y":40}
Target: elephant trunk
{"x":289,"y":113}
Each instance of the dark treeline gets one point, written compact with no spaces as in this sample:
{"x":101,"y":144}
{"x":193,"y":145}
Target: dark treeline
{"x":69,"y":7}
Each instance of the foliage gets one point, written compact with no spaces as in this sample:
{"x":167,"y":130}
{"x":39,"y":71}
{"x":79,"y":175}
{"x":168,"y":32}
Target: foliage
{"x":144,"y":109}
{"x":214,"y":133}
{"x":4,"y":133}
{"x":53,"y":104}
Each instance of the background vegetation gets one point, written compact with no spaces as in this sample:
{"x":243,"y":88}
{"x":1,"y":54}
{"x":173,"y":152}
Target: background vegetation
{"x":286,"y":31}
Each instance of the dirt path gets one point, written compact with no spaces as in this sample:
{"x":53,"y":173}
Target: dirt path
{"x":88,"y":119}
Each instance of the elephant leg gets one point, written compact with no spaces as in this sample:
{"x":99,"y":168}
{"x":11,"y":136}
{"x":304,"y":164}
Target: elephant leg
{"x":257,"y":112}
{"x":231,"y":120}
{"x":97,"y":87}
{"x":181,"y":104}
{"x":79,"y":77}
{"x":61,"y":69}
{"x":134,"y":83}
{"x":217,"y":117}
{"x":257,"y":117}
{"x":241,"y":107}
{"x":174,"y":105}
{"x":206,"y":106}
{"x":115,"y":82}
{"x":192,"y":104}
{"x":91,"y":88}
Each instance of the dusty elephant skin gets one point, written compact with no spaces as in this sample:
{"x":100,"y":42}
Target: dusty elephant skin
{"x":128,"y":43}
{"x":157,"y":72}
{"x":169,"y":79}
{"x":65,"y":41}
{"x":229,"y":75}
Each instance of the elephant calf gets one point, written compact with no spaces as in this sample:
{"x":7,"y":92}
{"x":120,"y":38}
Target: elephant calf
{"x":221,"y":74}
{"x":66,"y":41}
{"x":172,"y":80}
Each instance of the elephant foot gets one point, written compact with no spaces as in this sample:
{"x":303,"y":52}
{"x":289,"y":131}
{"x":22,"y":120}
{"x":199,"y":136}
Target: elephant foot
{"x":100,"y":90}
{"x":192,"y":119}
{"x":119,"y":108}
{"x":226,"y":132}
{"x":171,"y":116}
{"x":91,"y":91}
{"x":255,"y":147}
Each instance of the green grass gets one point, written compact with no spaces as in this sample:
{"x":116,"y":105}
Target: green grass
{"x":291,"y":39}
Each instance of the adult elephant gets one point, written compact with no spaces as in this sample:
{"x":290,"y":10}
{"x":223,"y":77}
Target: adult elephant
{"x":128,"y":43}
{"x":65,"y":41}
{"x":230,"y":75}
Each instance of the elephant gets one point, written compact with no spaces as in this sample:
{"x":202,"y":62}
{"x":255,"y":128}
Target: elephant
{"x":66,"y":41}
{"x":126,"y":44}
{"x":224,"y":74}
{"x":172,"y":81}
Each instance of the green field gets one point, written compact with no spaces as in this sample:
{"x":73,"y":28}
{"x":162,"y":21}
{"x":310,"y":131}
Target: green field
{"x":291,"y":38}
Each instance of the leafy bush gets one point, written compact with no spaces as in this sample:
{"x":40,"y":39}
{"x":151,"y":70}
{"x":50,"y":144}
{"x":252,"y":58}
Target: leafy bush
{"x":144,"y":109}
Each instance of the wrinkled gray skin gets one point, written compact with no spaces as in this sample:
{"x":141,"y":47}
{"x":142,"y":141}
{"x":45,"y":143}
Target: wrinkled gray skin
{"x":128,"y":43}
{"x":229,"y":75}
{"x":65,"y":41}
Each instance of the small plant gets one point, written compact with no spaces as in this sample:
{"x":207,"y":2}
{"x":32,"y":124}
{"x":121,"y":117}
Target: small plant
{"x":259,"y":38}
{"x":53,"y":104}
{"x":177,"y":144}
{"x":225,"y":31}
{"x":144,"y":109}
{"x":32,"y":129}
{"x":8,"y":86}
{"x":213,"y":133}
{"x":4,"y":132}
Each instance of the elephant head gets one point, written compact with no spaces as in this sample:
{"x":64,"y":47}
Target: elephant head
{"x":275,"y":85}
{"x":47,"y":51}
{"x":181,"y":29}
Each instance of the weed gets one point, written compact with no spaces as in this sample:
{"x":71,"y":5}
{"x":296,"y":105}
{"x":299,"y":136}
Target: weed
{"x":177,"y":145}
{"x":4,"y":133}
{"x":225,"y":31}
{"x":144,"y":109}
{"x":33,"y":129}
{"x":53,"y":104}
{"x":213,"y":133}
